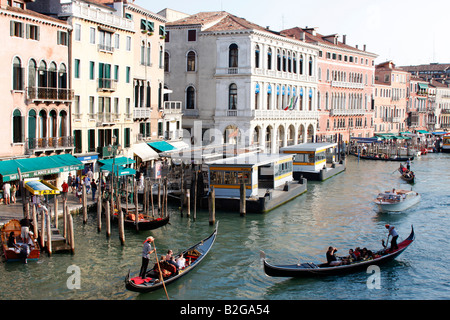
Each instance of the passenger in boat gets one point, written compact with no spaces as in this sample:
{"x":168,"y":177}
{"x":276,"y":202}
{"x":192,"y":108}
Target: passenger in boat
{"x":181,"y":261}
{"x":172,"y":262}
{"x":25,"y":224}
{"x":11,"y":240}
{"x":331,"y":257}
{"x":169,"y":255}
{"x":147,"y":250}
{"x":357,"y":253}
{"x":392,"y":233}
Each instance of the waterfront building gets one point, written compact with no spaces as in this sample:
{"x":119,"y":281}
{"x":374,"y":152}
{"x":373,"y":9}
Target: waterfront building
{"x":417,"y":105}
{"x":36,"y":97}
{"x":390,"y":98}
{"x":437,"y":71}
{"x":245,"y":83}
{"x":439,"y":108}
{"x":345,"y":85}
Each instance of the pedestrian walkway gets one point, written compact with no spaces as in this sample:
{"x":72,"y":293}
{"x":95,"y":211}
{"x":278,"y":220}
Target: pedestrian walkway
{"x":15,"y":210}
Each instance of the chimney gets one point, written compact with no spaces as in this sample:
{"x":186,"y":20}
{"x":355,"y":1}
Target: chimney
{"x":364,"y":48}
{"x":356,"y":46}
{"x":302,"y":36}
{"x":344,"y":39}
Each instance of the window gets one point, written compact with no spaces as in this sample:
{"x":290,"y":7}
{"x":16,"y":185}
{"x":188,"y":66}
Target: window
{"x":105,"y":41}
{"x":127,"y":137}
{"x":192,"y":35}
{"x":92,"y":35}
{"x":232,"y":97}
{"x":166,"y":62}
{"x":17,"y":83}
{"x":77,"y":69}
{"x":233,"y":56}
{"x":269,"y":59}
{"x":16,"y":29}
{"x":117,"y":41}
{"x":167,"y":39}
{"x":91,"y":107}
{"x":77,"y":32}
{"x":128,"y":43}
{"x":62,"y":38}
{"x":162,"y":31}
{"x":32,"y":32}
{"x":257,"y":57}
{"x":190,"y":98}
{"x":17,"y":127}
{"x":91,"y":70}
{"x":191,"y":61}
{"x":32,"y":69}
{"x":128,"y":74}
{"x":147,"y":26}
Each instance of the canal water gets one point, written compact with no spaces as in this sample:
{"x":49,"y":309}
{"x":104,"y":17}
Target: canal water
{"x":338,"y":212}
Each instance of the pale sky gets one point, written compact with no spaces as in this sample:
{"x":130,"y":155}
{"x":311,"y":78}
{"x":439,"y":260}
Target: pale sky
{"x":409,"y":32}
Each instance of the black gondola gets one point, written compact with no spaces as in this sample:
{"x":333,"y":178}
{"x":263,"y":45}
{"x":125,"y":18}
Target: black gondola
{"x":195,"y":254}
{"x":406,"y":174}
{"x":367,"y":157}
{"x":323,"y":269}
{"x":147,"y":223}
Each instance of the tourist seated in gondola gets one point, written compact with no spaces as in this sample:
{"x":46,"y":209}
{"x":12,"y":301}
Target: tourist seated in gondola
{"x":11,"y":240}
{"x":172,"y":262}
{"x":332,"y":260}
{"x":181,"y":261}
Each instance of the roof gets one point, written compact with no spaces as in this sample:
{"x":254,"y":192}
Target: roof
{"x":35,"y":14}
{"x":427,"y":67}
{"x":311,"y":36}
{"x":216,"y":21}
{"x":250,"y":160}
{"x":309,"y":146}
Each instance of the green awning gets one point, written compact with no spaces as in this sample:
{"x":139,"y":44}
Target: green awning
{"x":119,"y":171}
{"x":40,"y":166}
{"x":423,"y":86}
{"x":120,"y":161}
{"x":161,"y":146}
{"x":422,"y":131}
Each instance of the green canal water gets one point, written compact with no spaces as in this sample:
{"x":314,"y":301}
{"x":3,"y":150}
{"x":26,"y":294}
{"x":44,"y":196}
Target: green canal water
{"x":337,"y":212}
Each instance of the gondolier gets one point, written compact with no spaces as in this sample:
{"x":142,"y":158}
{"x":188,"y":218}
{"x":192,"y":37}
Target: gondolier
{"x":392,"y":233}
{"x":146,"y":252}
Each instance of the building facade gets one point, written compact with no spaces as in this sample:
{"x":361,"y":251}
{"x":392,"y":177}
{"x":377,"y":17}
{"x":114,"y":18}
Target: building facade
{"x":36,"y":99}
{"x":244,"y":83}
{"x":390,"y":98}
{"x":345,"y":85}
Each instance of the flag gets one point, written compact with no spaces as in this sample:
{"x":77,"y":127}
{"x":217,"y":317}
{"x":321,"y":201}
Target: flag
{"x":295,"y":103}
{"x":234,"y":133}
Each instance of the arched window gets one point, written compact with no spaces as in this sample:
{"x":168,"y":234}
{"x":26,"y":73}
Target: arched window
{"x":269,"y":59}
{"x":32,"y":119}
{"x":53,"y":123}
{"x":191,"y":61}
{"x":278,"y":60}
{"x":32,"y":69}
{"x":62,"y":77}
{"x":190,"y":98}
{"x":52,"y":75}
{"x":257,"y":56}
{"x":232,"y":97}
{"x":42,"y":75}
{"x":310,"y":66}
{"x":17,"y":74}
{"x":17,"y":126}
{"x":300,"y":66}
{"x":233,"y":54}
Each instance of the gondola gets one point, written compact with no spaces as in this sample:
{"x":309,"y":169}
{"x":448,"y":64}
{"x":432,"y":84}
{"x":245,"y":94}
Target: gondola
{"x":144,"y":223}
{"x":19,"y":252}
{"x":194,"y":255}
{"x":323,"y":269}
{"x":367,"y":157}
{"x":406,"y":174}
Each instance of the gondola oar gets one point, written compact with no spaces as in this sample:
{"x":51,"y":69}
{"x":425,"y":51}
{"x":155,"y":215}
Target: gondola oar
{"x":160,"y":273}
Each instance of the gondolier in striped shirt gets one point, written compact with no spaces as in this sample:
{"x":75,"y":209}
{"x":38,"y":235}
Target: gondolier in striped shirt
{"x":146,"y":252}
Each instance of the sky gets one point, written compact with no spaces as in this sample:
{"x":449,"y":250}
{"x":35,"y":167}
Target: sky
{"x":408,"y":32}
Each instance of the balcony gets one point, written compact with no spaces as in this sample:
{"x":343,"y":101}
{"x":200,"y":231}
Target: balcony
{"x":142,"y":113}
{"x":51,"y":144}
{"x":49,"y":94}
{"x":173,"y":107}
{"x":106,"y":85}
{"x":347,"y":112}
{"x":106,"y":118}
{"x":192,"y":113}
{"x":348,"y":85}
{"x":285,"y":115}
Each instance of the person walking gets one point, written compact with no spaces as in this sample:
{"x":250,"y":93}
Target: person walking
{"x":65,"y":189}
{"x":93,"y":189}
{"x":7,"y":192}
{"x":146,"y":252}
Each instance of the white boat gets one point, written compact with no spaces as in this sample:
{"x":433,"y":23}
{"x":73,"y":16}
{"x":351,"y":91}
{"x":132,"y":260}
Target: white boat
{"x":397,"y":200}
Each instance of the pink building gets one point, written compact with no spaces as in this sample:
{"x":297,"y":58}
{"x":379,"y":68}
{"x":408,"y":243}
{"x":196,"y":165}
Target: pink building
{"x":34,"y":84}
{"x":417,"y":107}
{"x":391,"y":97}
{"x":345,"y":86}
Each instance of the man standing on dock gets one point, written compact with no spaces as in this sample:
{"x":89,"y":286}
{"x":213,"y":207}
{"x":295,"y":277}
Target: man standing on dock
{"x":146,"y":252}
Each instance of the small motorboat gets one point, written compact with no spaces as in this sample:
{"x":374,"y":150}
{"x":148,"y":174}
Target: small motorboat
{"x":309,"y":269}
{"x":397,"y":200}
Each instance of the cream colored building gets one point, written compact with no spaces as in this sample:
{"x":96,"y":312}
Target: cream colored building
{"x":242,"y":82}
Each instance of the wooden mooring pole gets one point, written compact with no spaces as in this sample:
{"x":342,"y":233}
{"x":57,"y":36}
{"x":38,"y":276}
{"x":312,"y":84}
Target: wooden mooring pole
{"x":242,"y":203}
{"x":108,"y":219}
{"x":49,"y":233}
{"x":71,"y":236}
{"x":212,"y":206}
{"x":84,"y":201}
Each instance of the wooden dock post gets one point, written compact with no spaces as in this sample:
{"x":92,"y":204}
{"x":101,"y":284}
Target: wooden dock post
{"x":49,"y":233}
{"x":70,"y":233}
{"x":188,"y":197}
{"x":99,"y":213}
{"x":65,"y":222}
{"x":83,"y":200}
{"x":242,"y":203}
{"x":136,"y":206}
{"x":43,"y":219}
{"x":108,"y":219}
{"x":34,"y":217}
{"x":121,"y":227}
{"x":56,"y":211}
{"x":182,"y":189}
{"x":159,"y":199}
{"x":212,"y":206}
{"x":195,"y":194}
{"x":166,"y":193}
